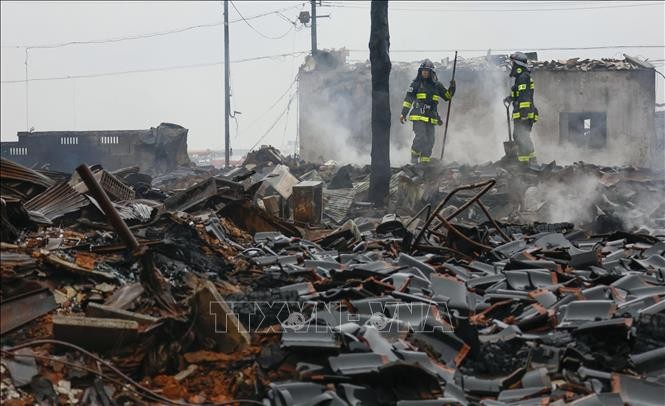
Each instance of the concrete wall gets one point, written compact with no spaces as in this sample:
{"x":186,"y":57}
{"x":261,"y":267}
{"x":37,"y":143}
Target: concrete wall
{"x":335,"y":107}
{"x":156,"y":151}
{"x":628,"y":99}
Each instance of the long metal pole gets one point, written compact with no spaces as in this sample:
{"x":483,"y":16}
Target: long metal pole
{"x":27,"y":94}
{"x":112,"y":214}
{"x":227,"y":89}
{"x":450,"y":102}
{"x":313,"y":29}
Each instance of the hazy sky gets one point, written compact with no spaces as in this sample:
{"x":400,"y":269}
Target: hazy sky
{"x":193,"y":96}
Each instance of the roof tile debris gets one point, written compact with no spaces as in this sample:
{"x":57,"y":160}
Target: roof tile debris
{"x":474,"y":299}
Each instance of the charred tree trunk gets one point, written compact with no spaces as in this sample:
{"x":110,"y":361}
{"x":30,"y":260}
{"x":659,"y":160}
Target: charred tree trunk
{"x":379,"y":44}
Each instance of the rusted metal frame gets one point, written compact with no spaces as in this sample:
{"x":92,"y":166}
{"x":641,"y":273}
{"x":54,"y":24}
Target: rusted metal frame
{"x":487,"y":213}
{"x":428,"y":207}
{"x":438,"y":234}
{"x":487,"y":185}
{"x":452,"y":228}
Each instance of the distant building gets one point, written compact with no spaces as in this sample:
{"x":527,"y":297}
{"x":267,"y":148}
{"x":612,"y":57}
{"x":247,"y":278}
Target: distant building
{"x":216,"y":157}
{"x":156,"y":151}
{"x":594,"y":110}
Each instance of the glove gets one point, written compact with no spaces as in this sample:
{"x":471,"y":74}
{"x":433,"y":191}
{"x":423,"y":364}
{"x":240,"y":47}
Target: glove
{"x":507,"y":99}
{"x":452,"y":87}
{"x":402,"y":118}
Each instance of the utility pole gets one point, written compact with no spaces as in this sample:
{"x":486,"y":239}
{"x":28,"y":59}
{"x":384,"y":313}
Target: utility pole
{"x":379,"y":45}
{"x":227,"y":90}
{"x":313,"y":29}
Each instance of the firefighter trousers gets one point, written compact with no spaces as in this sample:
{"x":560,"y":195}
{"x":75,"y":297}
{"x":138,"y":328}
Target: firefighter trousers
{"x":423,"y":142}
{"x":522,"y":136}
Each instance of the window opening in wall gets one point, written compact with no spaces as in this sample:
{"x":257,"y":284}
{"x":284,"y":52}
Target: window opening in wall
{"x":18,"y":151}
{"x":584,"y":129}
{"x":69,"y":140}
{"x":109,"y":140}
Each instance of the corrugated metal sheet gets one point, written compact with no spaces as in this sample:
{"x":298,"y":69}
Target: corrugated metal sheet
{"x":54,"y":202}
{"x":337,"y":202}
{"x":12,"y":170}
{"x":112,"y":185}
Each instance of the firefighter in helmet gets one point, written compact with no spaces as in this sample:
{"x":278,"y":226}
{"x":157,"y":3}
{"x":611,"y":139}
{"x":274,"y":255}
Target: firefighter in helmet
{"x":422,"y":99}
{"x":525,"y":113}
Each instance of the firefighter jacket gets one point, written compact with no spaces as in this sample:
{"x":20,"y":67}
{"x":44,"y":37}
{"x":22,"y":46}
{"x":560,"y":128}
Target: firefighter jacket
{"x":422,"y":99}
{"x":522,"y":96}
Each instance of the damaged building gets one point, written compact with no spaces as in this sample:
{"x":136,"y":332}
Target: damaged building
{"x":588,"y":108}
{"x":158,"y":150}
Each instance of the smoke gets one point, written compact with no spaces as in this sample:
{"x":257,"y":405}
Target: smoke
{"x":572,"y":199}
{"x":578,"y":196}
{"x":336,"y":112}
{"x":477,"y":123}
{"x":334,"y":137}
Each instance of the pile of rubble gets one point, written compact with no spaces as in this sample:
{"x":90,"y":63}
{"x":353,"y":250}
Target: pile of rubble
{"x":590,"y":64}
{"x":276,"y":283}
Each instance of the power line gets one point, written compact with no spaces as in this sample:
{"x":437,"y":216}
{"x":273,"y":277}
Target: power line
{"x":118,"y":39}
{"x":168,"y":68}
{"x":285,"y":111}
{"x":526,"y":48}
{"x":295,"y":80}
{"x":147,"y":35}
{"x":254,"y":28}
{"x":476,"y":10}
{"x":486,"y":3}
{"x":465,"y":4}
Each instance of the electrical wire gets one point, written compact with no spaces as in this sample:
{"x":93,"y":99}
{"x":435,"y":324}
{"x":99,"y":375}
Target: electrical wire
{"x":163,"y":69}
{"x":477,"y":10}
{"x":78,"y":366}
{"x":295,"y":80}
{"x":254,"y":28}
{"x":147,"y":35}
{"x":465,"y":4}
{"x":285,"y":111}
{"x":118,"y":39}
{"x":511,"y":49}
{"x":12,"y":350}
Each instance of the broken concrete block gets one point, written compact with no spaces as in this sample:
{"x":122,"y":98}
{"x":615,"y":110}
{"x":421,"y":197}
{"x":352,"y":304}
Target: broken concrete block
{"x":217,"y":321}
{"x":94,"y":333}
{"x":108,"y":312}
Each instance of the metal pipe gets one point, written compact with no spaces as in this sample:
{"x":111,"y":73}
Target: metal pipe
{"x":111,"y":213}
{"x":450,"y":102}
{"x":489,"y":216}
{"x":452,"y":228}
{"x":487,"y":185}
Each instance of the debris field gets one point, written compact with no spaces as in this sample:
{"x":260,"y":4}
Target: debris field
{"x":276,"y":283}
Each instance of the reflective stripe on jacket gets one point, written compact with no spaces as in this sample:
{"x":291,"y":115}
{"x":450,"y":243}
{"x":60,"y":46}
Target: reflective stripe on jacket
{"x":422,"y":99}
{"x":522,"y":95}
